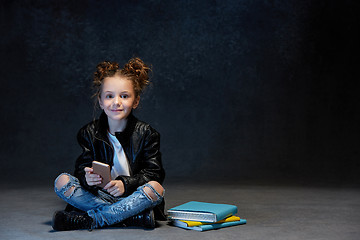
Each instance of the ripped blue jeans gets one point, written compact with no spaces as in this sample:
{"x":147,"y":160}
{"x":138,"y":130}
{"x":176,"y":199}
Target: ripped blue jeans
{"x":103,"y":212}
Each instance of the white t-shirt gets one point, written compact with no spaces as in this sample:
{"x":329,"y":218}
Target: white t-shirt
{"x":120,"y":163}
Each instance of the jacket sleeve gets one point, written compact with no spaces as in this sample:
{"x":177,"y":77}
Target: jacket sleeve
{"x":85,"y":159}
{"x":150,"y":165}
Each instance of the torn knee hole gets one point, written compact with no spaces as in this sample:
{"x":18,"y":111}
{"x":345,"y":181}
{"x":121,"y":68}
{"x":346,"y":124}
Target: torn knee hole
{"x":62,"y":181}
{"x":150,"y":193}
{"x":157,"y":187}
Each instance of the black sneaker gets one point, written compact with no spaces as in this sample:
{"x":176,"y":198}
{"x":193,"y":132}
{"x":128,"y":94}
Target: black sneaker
{"x":145,"y":219}
{"x":63,"y":221}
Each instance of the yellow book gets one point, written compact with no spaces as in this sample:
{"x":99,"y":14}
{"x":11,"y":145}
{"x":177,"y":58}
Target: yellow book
{"x":193,"y":223}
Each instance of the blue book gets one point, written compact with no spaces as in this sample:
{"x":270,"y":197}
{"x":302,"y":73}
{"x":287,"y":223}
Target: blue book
{"x":207,"y":227}
{"x":202,"y":212}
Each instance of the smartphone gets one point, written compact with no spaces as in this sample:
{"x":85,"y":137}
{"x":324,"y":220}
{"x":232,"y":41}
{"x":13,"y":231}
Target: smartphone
{"x":103,"y":170}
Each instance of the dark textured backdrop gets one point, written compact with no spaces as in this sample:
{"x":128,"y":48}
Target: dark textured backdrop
{"x":242,"y":90}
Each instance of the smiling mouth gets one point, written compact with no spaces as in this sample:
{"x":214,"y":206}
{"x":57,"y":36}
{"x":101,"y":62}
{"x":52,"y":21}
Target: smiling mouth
{"x":117,"y":110}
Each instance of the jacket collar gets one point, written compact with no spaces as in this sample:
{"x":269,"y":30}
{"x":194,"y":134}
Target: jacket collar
{"x":125,"y":135}
{"x":103,"y":126}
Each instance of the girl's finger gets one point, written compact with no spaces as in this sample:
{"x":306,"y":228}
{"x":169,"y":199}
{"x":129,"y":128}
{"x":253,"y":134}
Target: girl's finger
{"x":107,"y":186}
{"x":88,"y":170}
{"x":95,"y":177}
{"x":114,"y":192}
{"x":110,"y":189}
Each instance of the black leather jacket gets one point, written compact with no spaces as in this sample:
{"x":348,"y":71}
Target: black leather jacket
{"x":141,"y":144}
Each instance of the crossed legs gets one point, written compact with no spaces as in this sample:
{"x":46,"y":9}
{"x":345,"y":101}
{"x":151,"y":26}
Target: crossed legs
{"x":102,"y":212}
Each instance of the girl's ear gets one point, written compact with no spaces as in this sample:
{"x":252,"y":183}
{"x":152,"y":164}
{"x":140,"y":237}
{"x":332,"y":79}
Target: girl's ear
{"x":136,"y":102}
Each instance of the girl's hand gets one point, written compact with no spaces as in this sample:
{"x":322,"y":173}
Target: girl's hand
{"x":91,"y":178}
{"x":115,"y":188}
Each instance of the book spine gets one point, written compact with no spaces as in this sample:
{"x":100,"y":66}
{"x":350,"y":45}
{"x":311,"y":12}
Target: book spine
{"x":192,"y":216}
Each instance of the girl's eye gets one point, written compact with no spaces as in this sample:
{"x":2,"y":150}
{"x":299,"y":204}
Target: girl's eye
{"x":108,"y":96}
{"x":124,"y":96}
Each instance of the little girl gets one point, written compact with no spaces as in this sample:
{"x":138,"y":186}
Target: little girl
{"x":132,"y":149}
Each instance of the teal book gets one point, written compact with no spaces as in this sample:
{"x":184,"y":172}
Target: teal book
{"x":201,"y":212}
{"x":207,"y":227}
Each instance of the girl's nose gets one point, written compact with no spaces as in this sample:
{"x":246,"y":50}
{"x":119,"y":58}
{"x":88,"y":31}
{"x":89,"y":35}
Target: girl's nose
{"x":117,"y":100}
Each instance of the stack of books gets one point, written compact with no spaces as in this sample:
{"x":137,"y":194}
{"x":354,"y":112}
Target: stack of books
{"x":201,"y":216}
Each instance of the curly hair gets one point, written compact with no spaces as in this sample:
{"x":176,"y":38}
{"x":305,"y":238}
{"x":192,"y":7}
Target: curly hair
{"x":135,"y":70}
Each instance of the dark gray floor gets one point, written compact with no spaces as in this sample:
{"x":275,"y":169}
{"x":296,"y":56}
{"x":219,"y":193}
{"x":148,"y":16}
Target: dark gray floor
{"x":272,"y":212}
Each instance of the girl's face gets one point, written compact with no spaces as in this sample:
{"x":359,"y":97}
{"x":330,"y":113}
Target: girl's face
{"x":118,"y":98}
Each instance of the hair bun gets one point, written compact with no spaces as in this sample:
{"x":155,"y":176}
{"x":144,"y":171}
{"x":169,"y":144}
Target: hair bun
{"x":138,"y":69}
{"x":103,"y":70}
